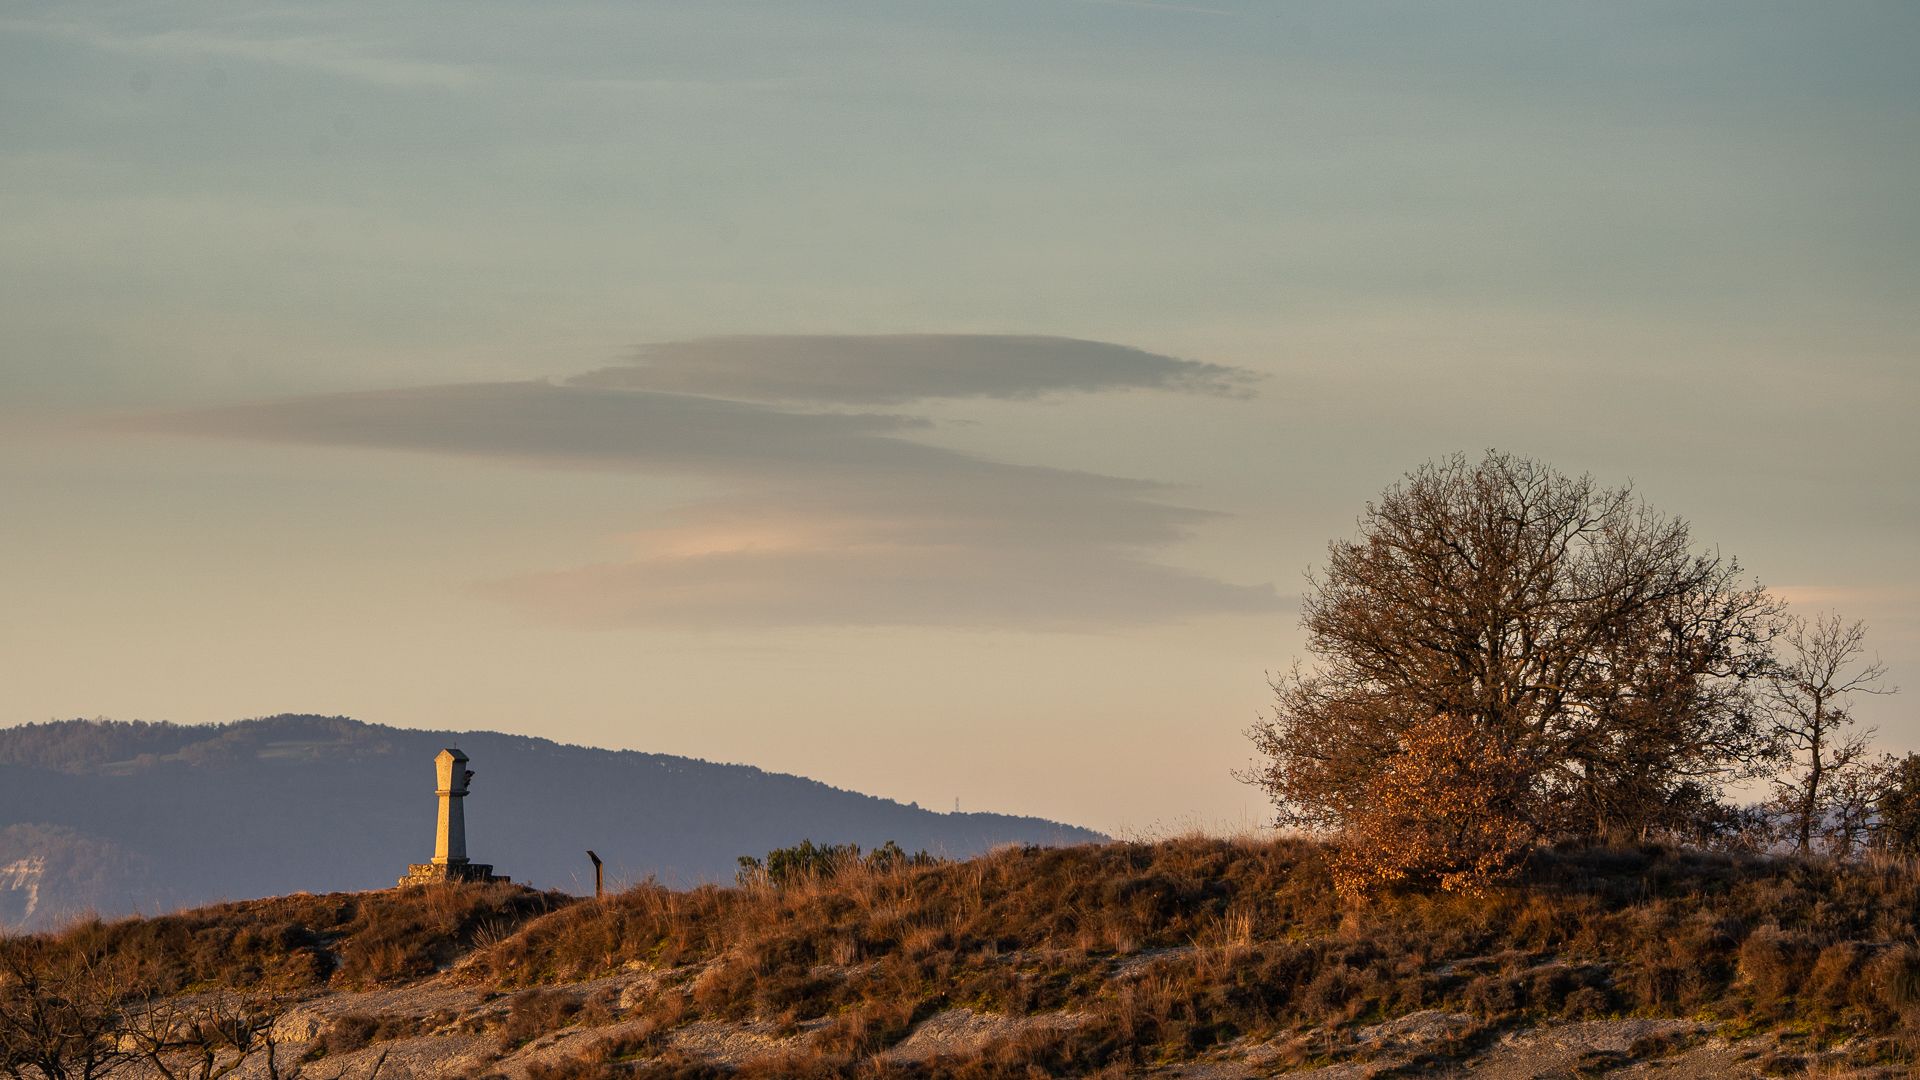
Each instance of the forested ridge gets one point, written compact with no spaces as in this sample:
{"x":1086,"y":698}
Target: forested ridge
{"x":130,"y":816}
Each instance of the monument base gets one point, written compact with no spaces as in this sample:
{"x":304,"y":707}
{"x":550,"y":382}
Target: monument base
{"x":426,"y":873}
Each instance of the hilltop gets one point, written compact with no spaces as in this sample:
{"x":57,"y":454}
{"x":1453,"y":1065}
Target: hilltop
{"x":1194,"y":958}
{"x":117,"y":817}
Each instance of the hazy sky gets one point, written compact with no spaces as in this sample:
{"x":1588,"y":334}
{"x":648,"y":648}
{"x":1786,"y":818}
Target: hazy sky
{"x":941,"y":400}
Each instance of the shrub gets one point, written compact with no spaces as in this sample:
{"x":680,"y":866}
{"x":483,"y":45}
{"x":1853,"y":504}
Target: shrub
{"x":1587,"y":1003}
{"x":349,"y":1033}
{"x":1895,"y":977}
{"x":1774,"y":965}
{"x":534,"y":1013}
{"x":1442,"y":811}
{"x":807,"y":861}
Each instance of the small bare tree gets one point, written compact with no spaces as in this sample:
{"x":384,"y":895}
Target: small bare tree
{"x":60,"y":1015}
{"x":1853,"y":808}
{"x":1821,"y":666}
{"x":1897,"y":807}
{"x":70,"y":1015}
{"x":203,"y":1038}
{"x":212,"y":1036}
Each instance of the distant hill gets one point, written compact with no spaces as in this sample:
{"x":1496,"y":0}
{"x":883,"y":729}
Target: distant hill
{"x":117,"y":817}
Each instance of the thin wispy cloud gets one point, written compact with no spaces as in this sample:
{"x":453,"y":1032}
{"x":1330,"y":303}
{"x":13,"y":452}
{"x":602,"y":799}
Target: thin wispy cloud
{"x":334,"y":55}
{"x":824,"y":518}
{"x":893,"y":368}
{"x":1157,"y":5}
{"x":1886,"y":602}
{"x":881,"y":558}
{"x":565,"y":425}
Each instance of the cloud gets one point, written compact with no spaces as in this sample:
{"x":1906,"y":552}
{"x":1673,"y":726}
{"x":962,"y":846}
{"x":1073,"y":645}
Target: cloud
{"x":821,"y":518}
{"x":581,"y":426}
{"x":1151,"y":5}
{"x":1888,"y":605}
{"x":884,"y":562}
{"x":892,"y":368}
{"x":328,"y":54}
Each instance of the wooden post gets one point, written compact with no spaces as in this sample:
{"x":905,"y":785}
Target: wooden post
{"x":596,"y":873}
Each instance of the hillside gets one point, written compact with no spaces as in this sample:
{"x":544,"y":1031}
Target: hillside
{"x":122,"y":817}
{"x":1194,"y":958}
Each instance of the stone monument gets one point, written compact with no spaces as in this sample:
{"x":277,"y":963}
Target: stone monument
{"x":450,"y":840}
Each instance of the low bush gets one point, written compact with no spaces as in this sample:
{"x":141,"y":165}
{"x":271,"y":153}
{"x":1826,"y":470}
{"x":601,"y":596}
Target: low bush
{"x":533,"y":1013}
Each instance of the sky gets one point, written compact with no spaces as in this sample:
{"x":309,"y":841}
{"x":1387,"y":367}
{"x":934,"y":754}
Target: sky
{"x":941,"y":400}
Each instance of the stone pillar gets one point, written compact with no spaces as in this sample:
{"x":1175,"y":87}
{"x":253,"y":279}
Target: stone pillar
{"x":450,"y":863}
{"x":450,"y":842}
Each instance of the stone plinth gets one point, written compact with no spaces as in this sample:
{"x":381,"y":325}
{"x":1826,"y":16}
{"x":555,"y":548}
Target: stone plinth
{"x":431,"y":873}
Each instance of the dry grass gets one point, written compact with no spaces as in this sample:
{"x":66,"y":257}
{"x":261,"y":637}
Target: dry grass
{"x":1154,"y":951}
{"x":1239,"y":940}
{"x":292,"y":943}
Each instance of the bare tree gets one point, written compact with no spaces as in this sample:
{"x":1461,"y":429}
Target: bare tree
{"x":210,"y":1036}
{"x":204,"y":1037}
{"x":1897,"y":807}
{"x":1822,"y":667}
{"x":1853,"y":803}
{"x":60,"y":1014}
{"x":1571,"y":627}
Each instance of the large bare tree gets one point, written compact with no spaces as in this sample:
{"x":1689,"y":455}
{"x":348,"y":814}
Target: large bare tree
{"x":1822,"y":665}
{"x":1570,"y":627}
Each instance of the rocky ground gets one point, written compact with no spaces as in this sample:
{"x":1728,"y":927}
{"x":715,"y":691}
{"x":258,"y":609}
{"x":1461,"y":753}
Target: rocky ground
{"x":453,"y":1025}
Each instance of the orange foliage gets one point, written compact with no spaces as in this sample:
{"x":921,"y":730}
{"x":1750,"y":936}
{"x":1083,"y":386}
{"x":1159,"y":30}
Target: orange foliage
{"x":1443,"y":810}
